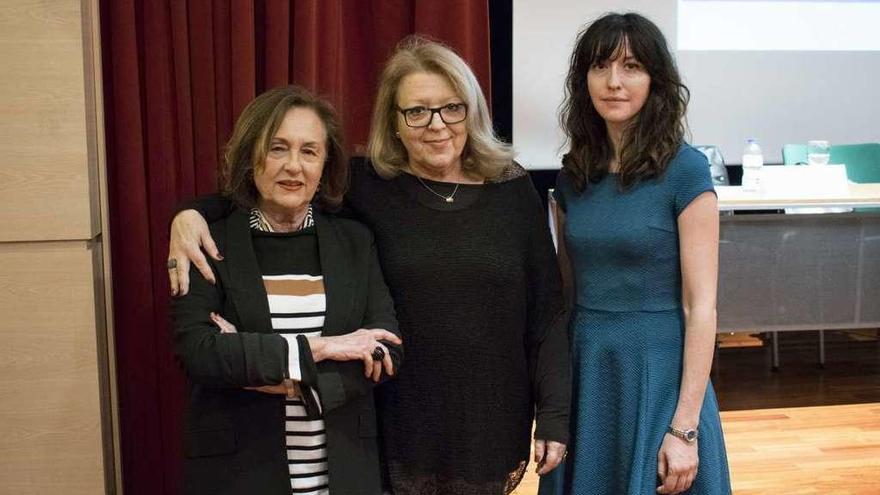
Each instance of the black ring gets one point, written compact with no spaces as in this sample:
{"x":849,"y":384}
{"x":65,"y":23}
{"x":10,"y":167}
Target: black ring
{"x":378,"y":353}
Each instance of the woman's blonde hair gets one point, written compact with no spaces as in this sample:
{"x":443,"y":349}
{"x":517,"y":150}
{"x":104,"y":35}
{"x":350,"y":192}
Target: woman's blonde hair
{"x":484,"y":154}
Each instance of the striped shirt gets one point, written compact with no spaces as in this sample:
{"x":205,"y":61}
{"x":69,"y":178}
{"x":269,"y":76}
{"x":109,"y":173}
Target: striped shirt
{"x":297,"y":303}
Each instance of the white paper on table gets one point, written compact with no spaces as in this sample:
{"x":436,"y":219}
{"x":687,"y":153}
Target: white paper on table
{"x":810,"y":181}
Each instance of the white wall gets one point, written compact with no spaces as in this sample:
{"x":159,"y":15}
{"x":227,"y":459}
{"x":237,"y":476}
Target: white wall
{"x":777,"y":97}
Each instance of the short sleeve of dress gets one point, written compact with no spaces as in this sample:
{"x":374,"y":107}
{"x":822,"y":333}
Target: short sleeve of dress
{"x":562,"y":190}
{"x":689,"y":177}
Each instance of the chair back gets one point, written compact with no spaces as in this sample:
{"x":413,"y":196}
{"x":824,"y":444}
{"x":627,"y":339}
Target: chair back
{"x":862,"y":160}
{"x":716,"y":164}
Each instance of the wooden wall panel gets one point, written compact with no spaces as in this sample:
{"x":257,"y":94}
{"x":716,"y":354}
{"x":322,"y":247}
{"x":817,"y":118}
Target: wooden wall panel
{"x":56,"y":388}
{"x":50,"y":419}
{"x":97,"y":159}
{"x":44,"y":170}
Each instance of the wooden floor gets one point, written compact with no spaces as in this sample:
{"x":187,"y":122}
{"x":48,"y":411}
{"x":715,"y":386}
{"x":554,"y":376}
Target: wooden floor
{"x":806,"y":450}
{"x":797,"y":451}
{"x":803,"y":429}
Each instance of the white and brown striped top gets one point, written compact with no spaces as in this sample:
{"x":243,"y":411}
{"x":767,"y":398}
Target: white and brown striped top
{"x":297,"y":303}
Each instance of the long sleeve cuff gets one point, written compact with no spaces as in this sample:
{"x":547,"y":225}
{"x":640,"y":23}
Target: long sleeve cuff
{"x":294,"y":370}
{"x":552,"y":426}
{"x":308,"y":367}
{"x":308,"y":379}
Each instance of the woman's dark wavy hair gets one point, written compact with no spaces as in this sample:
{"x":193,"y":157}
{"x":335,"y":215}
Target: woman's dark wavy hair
{"x":246,"y":150}
{"x":653,"y":138}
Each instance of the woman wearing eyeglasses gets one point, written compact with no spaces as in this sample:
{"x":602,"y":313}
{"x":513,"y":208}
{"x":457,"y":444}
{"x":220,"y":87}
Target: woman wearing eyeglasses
{"x":467,"y":256}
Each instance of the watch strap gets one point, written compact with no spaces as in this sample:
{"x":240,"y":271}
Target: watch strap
{"x":689,"y":435}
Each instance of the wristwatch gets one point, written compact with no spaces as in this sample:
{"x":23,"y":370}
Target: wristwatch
{"x":689,"y":435}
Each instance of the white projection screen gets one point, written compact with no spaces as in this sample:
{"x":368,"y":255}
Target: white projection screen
{"x":782,"y":72}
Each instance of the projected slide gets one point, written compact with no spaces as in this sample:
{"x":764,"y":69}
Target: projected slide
{"x":802,"y":25}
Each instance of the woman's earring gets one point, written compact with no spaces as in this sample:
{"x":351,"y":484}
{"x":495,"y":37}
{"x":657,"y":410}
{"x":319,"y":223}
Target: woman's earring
{"x":397,"y":134}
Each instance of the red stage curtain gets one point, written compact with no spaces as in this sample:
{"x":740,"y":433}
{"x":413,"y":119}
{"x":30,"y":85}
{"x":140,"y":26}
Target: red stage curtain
{"x":176,"y":74}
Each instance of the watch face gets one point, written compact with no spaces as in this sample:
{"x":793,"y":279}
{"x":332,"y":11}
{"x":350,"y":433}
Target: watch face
{"x":690,"y":435}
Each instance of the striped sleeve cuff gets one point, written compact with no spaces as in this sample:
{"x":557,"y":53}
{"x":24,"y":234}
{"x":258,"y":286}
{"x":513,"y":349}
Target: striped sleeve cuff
{"x":294,"y":371}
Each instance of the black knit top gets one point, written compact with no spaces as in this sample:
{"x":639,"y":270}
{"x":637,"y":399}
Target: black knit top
{"x":478,"y":296}
{"x":477,"y":293}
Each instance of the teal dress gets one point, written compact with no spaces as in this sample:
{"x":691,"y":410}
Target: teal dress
{"x":627,"y":334}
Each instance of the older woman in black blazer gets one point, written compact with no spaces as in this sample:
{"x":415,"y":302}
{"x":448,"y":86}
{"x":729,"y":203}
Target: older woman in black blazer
{"x":283,"y":345}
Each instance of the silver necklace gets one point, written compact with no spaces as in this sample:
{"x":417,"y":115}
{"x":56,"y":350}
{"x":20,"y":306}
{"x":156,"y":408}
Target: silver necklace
{"x":448,"y":199}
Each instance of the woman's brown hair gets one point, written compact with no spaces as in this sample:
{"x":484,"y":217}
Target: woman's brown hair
{"x":653,"y":137}
{"x":246,"y":150}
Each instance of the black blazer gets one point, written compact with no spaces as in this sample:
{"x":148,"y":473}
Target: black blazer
{"x":234,"y":438}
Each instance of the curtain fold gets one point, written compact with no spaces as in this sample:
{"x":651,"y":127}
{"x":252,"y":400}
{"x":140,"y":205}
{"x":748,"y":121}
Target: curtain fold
{"x":176,"y":75}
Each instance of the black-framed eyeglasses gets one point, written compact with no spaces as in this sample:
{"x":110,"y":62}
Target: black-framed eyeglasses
{"x":451,"y":113}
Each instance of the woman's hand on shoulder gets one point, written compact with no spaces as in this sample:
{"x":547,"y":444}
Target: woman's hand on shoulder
{"x":677,"y":463}
{"x":358,"y":345}
{"x":189,"y":236}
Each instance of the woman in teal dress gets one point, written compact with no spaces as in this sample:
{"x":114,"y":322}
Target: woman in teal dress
{"x":638,"y":219}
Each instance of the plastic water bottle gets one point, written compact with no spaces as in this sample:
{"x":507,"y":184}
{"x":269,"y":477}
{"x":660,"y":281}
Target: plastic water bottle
{"x":753,"y":165}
